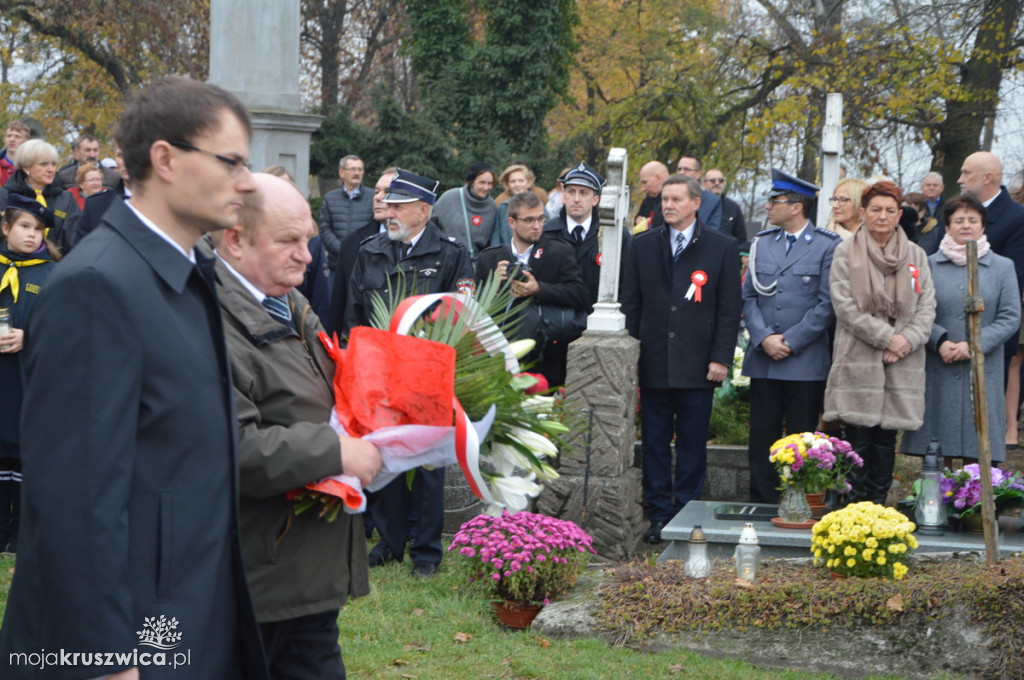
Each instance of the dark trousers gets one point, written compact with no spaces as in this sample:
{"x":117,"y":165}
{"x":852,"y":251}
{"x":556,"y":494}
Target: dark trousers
{"x":391,"y":513}
{"x":878,"y":449}
{"x":304,"y":648}
{"x":10,"y":498}
{"x":687,"y":414}
{"x":772,"y":403}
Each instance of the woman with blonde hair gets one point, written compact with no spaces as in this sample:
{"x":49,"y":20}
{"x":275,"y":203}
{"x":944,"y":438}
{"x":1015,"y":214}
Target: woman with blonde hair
{"x":845,"y":204}
{"x":516,"y":179}
{"x":36,"y":178}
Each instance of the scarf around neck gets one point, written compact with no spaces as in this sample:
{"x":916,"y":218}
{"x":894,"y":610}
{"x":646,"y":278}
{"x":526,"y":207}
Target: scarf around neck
{"x":957,"y":253}
{"x":879,"y":276}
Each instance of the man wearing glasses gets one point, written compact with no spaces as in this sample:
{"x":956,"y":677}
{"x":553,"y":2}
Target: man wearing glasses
{"x":788,"y":310}
{"x":733,"y":222}
{"x":130,"y":435}
{"x":542,"y":269}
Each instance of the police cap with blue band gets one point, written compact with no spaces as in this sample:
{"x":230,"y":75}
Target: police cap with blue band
{"x":784,"y":183}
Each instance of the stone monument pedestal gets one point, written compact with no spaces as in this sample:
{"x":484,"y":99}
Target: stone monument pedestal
{"x":600,"y":490}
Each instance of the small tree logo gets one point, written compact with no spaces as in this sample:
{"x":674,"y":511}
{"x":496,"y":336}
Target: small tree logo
{"x":159,"y":633}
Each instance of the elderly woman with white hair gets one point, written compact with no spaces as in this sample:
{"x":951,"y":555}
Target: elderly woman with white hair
{"x":35,"y":177}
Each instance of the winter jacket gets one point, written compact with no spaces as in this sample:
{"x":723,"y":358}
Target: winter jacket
{"x":861,"y":390}
{"x":295,"y":565}
{"x":340,"y":215}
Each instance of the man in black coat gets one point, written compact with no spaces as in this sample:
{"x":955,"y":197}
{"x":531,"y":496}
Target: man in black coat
{"x":130,"y":529}
{"x":546,"y":284}
{"x":681,"y":298}
{"x":97,"y":204}
{"x":578,"y":225}
{"x":412,"y":258}
{"x":733,"y":222}
{"x":349,"y":252}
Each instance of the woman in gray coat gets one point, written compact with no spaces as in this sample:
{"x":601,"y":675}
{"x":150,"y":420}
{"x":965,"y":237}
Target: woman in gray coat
{"x":949,"y":412}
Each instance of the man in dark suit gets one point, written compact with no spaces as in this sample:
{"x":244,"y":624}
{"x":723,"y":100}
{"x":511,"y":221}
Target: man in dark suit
{"x":733,"y":222}
{"x":129,"y":429}
{"x":681,"y":298}
{"x":349,"y":252}
{"x":544,"y":274}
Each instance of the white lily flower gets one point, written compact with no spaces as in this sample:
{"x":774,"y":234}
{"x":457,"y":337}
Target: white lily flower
{"x":537,"y":443}
{"x":520,"y":348}
{"x":512,"y":492}
{"x":547,"y":473}
{"x":511,"y":454}
{"x":538,"y":404}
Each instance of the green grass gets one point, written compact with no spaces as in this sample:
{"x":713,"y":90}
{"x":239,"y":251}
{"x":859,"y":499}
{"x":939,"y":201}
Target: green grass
{"x":439,"y":629}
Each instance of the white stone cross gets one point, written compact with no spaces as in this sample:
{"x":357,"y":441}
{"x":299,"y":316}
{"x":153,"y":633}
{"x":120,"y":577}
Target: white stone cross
{"x":614,"y":212}
{"x":831,"y":155}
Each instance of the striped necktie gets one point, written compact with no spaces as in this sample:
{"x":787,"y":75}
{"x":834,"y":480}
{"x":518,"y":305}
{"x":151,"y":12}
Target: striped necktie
{"x":678,"y":247}
{"x":279,"y":309}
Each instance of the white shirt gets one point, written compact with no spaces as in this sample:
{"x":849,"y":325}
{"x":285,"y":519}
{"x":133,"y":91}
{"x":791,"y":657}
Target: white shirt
{"x":573,"y":224}
{"x":190,"y":256}
{"x":687,"y":234}
{"x":256,"y":292}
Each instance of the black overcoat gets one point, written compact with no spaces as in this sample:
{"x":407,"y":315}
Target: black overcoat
{"x":680,"y":337}
{"x":130,"y":474}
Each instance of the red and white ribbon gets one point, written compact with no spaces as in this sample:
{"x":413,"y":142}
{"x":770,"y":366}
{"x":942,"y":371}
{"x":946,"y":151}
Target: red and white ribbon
{"x":490,"y":337}
{"x":914,"y":274}
{"x":697,"y":281}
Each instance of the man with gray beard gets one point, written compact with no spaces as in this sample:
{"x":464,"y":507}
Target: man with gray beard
{"x":412,"y":258}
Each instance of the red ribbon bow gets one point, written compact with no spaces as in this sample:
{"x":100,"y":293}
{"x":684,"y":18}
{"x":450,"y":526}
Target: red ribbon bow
{"x":915,"y":273}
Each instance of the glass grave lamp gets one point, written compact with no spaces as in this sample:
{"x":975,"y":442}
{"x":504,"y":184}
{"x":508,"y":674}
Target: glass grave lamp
{"x":748,"y":554}
{"x":929,"y":513}
{"x":697,"y":563}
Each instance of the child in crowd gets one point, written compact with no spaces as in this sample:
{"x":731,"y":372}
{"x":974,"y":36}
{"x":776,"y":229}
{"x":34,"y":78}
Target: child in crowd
{"x":26,"y":260}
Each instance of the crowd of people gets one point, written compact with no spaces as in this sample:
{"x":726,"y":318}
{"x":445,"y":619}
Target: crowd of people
{"x":165,"y":388}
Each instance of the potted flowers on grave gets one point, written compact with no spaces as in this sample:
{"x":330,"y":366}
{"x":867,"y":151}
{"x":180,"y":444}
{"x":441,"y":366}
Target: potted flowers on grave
{"x":524,"y":559}
{"x":810,"y":463}
{"x":863,"y":539}
{"x":961,"y":491}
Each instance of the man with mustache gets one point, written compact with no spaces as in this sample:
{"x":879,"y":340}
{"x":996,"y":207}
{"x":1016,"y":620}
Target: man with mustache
{"x":412,"y":258}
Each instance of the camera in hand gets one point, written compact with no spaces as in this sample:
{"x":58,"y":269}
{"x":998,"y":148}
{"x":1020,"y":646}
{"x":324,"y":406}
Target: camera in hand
{"x":517,"y":272}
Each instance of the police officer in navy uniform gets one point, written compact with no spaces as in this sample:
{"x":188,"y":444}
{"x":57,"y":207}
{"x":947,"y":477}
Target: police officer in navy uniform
{"x":412,"y":258}
{"x":788,"y":312}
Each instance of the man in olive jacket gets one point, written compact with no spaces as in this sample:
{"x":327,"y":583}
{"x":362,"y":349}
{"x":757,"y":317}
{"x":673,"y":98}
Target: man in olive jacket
{"x":301,"y":569}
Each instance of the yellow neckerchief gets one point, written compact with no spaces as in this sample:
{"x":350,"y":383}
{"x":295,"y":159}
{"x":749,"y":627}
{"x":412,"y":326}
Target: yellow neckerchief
{"x":10,"y":277}
{"x":40,"y":198}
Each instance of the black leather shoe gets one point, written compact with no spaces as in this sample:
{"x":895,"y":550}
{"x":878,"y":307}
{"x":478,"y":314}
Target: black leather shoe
{"x":653,"y":534}
{"x":425,"y":569}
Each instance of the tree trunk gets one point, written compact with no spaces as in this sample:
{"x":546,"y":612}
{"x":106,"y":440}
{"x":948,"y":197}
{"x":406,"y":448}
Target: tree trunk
{"x":980,"y":77}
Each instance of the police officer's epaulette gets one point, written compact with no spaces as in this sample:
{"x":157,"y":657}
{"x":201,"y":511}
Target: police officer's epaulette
{"x":452,"y":241}
{"x":825,"y":232}
{"x":769,"y":230}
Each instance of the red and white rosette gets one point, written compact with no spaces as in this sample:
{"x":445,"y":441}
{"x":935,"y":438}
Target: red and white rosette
{"x":915,"y":274}
{"x":697,"y":281}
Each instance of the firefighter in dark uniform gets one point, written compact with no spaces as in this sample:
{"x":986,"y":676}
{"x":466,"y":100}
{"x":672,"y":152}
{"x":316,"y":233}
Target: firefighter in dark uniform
{"x":412,"y":258}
